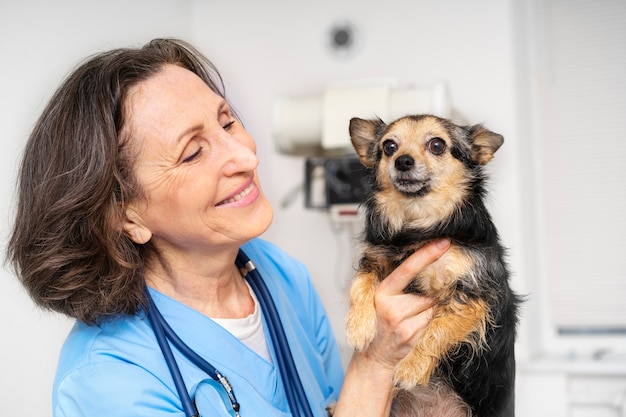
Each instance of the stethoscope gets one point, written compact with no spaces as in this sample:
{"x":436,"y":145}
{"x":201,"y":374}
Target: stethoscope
{"x":294,"y":390}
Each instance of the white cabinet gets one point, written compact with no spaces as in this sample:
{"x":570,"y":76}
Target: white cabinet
{"x":566,"y":388}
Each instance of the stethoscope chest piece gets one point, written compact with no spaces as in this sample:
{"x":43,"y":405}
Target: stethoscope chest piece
{"x":207,"y":391}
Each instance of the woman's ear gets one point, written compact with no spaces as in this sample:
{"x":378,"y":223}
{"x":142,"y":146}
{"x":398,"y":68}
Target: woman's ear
{"x":134,"y":228}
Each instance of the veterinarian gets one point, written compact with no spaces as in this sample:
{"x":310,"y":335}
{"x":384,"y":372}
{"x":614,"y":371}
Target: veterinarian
{"x":139,"y":215}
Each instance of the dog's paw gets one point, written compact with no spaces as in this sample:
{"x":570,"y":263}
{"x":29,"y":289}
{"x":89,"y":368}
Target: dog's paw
{"x":361,"y":328}
{"x":415,"y":369}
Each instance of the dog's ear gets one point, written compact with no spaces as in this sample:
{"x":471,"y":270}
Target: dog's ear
{"x":484,"y":143}
{"x":363,"y":136}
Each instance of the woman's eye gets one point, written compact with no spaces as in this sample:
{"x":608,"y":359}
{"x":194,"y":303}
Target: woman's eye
{"x":389,"y":147}
{"x":193,"y":156}
{"x":229,"y":125}
{"x":437,"y":146}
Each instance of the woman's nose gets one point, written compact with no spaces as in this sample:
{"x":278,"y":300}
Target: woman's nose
{"x":240,"y":154}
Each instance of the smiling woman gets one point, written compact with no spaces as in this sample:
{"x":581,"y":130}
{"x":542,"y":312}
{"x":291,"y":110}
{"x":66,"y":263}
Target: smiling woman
{"x":77,"y":176}
{"x":200,"y":188}
{"x":138,"y":199}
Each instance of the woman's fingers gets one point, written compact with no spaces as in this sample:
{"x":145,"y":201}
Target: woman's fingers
{"x":403,"y":317}
{"x":402,"y":276}
{"x":419,"y":321}
{"x":403,"y":306}
{"x":401,"y":320}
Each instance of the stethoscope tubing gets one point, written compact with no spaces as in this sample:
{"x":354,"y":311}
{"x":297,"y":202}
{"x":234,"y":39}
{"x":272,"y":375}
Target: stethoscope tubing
{"x":165,"y":333}
{"x":296,"y":397}
{"x":158,"y":326}
{"x":294,"y":391}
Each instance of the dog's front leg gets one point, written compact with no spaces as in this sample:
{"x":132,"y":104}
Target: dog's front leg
{"x":361,"y":326}
{"x":453,"y":324}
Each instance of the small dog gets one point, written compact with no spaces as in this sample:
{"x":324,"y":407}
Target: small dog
{"x":428,"y":182}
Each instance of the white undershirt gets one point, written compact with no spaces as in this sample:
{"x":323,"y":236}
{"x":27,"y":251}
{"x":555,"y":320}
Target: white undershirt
{"x":249,"y":330}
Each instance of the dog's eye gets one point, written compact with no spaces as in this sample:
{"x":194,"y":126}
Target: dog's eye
{"x":437,"y":146}
{"x":389,"y":147}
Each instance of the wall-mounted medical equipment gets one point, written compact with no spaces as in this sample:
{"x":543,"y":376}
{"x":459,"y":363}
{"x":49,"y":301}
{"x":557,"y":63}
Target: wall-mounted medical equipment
{"x":333,"y":181}
{"x":316,"y":126}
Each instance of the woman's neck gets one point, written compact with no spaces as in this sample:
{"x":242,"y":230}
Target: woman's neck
{"x":213,"y":285}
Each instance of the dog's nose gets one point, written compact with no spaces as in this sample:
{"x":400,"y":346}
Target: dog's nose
{"x":404,"y":163}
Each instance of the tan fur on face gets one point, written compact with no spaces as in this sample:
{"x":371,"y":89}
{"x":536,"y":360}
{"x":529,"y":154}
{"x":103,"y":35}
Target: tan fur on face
{"x":445,"y":175}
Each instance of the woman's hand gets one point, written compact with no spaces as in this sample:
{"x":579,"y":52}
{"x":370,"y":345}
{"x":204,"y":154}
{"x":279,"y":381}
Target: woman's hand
{"x":402,"y":317}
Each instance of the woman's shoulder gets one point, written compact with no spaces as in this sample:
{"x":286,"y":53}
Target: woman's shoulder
{"x":124,"y":339}
{"x":113,"y":356}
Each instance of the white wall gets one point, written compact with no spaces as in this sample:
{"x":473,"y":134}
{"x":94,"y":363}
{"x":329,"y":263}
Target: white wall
{"x":39,"y":42}
{"x":264,"y":50}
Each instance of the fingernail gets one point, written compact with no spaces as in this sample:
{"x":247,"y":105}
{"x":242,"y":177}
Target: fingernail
{"x":442,"y":243}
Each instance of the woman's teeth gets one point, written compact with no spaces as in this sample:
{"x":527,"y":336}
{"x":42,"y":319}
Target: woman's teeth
{"x":239,"y":196}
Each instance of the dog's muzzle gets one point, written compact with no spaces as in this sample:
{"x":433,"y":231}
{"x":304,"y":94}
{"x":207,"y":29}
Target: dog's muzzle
{"x":408,"y":178}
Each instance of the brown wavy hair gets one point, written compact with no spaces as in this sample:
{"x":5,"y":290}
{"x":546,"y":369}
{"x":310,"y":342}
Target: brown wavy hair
{"x":67,"y":246}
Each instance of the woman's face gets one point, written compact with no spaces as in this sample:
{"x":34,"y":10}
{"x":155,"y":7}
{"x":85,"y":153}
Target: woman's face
{"x":196,"y":166}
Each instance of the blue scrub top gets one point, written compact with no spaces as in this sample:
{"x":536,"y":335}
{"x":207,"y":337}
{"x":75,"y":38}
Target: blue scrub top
{"x":117,"y":368}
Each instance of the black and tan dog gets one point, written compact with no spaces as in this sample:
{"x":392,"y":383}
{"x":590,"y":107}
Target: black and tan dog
{"x":428,"y":182}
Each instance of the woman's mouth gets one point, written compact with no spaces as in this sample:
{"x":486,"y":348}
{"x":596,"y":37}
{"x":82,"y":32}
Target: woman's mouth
{"x":239,"y":195}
